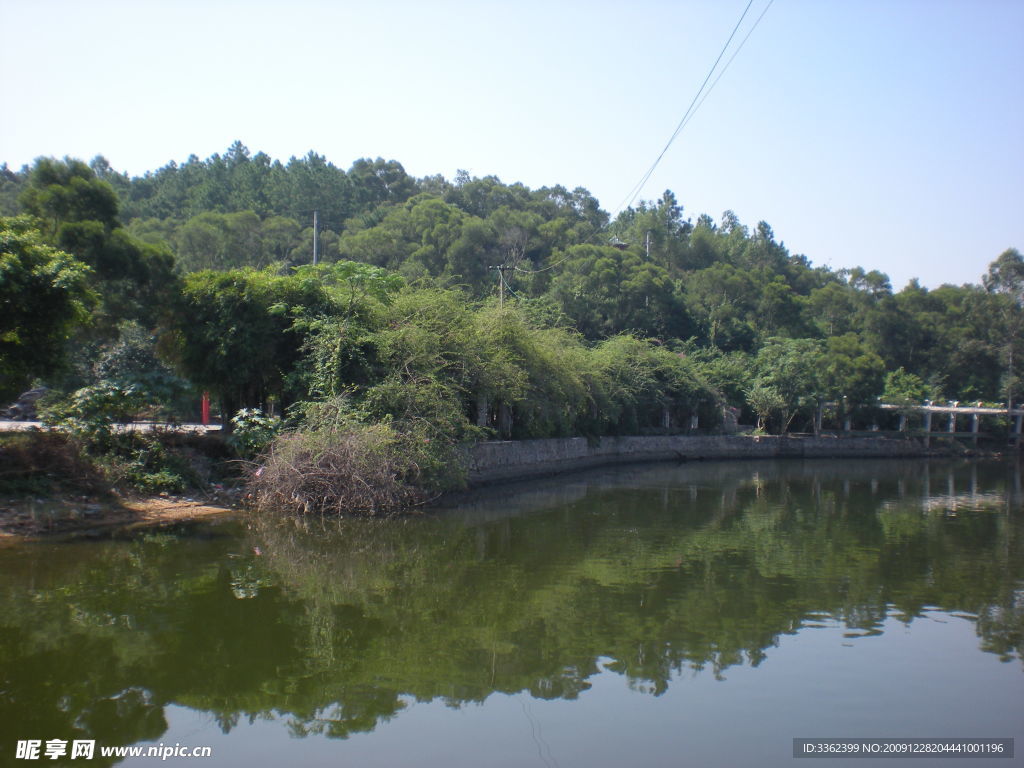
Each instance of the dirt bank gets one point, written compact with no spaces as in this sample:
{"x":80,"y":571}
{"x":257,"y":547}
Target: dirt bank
{"x":30,"y":518}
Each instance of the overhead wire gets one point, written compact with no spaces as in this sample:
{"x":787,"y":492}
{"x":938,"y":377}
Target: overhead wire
{"x":730,"y":61}
{"x":650,"y":171}
{"x":555,"y":264}
{"x":501,"y":276}
{"x":698,"y":100}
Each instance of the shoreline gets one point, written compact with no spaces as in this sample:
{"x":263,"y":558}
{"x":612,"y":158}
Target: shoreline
{"x":512,"y":460}
{"x":47,"y":519}
{"x":489,"y":463}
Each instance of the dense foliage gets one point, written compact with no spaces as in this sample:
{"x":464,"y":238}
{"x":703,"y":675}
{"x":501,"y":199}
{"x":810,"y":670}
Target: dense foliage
{"x":43,"y":294}
{"x":473,"y":306}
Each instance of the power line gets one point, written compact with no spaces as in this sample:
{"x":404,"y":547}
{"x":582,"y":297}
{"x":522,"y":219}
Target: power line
{"x":501,"y":282}
{"x":643,"y":180}
{"x":509,"y":287}
{"x":552,"y":266}
{"x":729,"y":62}
{"x":698,"y":101}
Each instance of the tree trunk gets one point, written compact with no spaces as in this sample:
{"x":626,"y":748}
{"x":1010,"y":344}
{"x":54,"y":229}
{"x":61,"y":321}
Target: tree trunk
{"x":483,"y":408}
{"x":504,"y":421}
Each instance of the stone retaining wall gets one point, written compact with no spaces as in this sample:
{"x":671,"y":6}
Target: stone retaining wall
{"x":491,"y":462}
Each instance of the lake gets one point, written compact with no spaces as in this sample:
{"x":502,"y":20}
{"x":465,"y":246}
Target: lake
{"x":700,"y":614}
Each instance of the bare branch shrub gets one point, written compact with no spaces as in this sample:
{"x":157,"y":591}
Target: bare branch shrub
{"x":362,"y":469}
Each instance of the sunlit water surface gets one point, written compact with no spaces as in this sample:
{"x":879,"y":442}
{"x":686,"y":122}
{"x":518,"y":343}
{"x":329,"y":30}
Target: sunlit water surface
{"x":702,"y":614}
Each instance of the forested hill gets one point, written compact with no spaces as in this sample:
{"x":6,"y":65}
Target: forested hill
{"x":715,"y":288}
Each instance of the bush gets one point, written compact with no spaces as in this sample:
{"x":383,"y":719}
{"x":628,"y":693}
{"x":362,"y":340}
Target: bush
{"x":144,"y":463}
{"x":46,"y":463}
{"x":252,"y":431}
{"x":88,"y":414}
{"x":128,"y":459}
{"x":368,"y":469}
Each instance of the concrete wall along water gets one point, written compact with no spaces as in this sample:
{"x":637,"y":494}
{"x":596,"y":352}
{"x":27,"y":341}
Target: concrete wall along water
{"x":517,"y":459}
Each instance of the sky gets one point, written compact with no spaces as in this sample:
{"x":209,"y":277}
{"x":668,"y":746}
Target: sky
{"x":884,"y":134}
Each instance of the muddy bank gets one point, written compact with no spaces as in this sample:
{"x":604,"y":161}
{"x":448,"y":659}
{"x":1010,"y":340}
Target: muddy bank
{"x":32,"y":518}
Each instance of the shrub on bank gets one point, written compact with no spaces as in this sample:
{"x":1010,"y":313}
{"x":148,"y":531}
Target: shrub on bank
{"x":53,"y":463}
{"x":370,"y":469}
{"x":44,"y":463}
{"x":396,"y":394}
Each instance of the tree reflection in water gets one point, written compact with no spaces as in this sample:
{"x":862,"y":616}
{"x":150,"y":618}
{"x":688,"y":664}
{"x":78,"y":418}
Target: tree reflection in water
{"x":647,"y":572}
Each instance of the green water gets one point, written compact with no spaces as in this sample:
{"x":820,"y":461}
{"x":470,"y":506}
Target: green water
{"x":702,"y":614}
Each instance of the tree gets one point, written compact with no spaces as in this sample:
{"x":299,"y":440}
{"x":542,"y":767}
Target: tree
{"x":790,"y":368}
{"x":241,"y":332}
{"x":779,"y":308}
{"x":852,"y":374}
{"x":647,"y":385}
{"x":201,"y":244}
{"x":609,"y":291}
{"x":280,"y":235}
{"x":79,"y":214}
{"x":722,"y":297}
{"x":1005,"y":279}
{"x":133,"y":362}
{"x":11,"y":184}
{"x":353,"y":284}
{"x":657,"y":228}
{"x":44,"y":296}
{"x":902,"y":388}
{"x":766,"y":402}
{"x":873,"y":283}
{"x":68,"y":191}
{"x":832,"y":308}
{"x":380,"y":181}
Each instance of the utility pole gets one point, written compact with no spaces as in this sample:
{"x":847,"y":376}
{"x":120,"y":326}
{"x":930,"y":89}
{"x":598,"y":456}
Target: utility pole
{"x":648,"y":238}
{"x":501,"y":282}
{"x":316,"y":237}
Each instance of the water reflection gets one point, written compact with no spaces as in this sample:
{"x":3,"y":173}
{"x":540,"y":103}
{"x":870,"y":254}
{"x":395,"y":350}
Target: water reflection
{"x":650,"y":573}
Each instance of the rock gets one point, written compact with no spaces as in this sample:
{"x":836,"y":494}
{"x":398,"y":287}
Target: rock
{"x":24,"y":408}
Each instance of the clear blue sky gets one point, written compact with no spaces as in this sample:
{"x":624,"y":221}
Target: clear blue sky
{"x":887,"y":134}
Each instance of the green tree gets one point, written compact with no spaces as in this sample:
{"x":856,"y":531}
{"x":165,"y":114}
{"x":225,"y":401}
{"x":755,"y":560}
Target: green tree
{"x":779,"y":309}
{"x":903,"y":388}
{"x":11,"y":183}
{"x":79,"y":214}
{"x":659,"y":229}
{"x":832,"y":308}
{"x":59,"y":192}
{"x":201,"y":244}
{"x":647,"y":386}
{"x":608,"y":291}
{"x":280,"y":235}
{"x":852,"y":374}
{"x":241,"y":333}
{"x":766,"y":402}
{"x":791,"y":368}
{"x":730,"y":374}
{"x":722,"y":298}
{"x":44,"y":296}
{"x":1005,"y":280}
{"x":132,"y":361}
{"x":380,"y":181}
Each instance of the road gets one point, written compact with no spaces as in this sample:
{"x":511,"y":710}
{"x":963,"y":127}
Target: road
{"x":137,"y":426}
